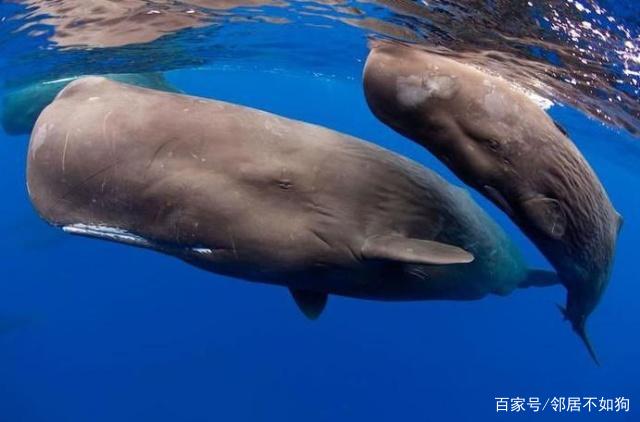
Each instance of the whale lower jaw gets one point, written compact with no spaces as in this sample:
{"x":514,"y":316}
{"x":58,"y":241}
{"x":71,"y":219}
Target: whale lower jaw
{"x":119,"y":235}
{"x":108,"y":233}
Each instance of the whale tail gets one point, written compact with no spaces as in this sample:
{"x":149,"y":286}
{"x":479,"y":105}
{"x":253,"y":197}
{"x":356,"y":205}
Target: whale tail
{"x":540,"y":278}
{"x":543,"y":278}
{"x":582,"y":333}
{"x":581,"y":330}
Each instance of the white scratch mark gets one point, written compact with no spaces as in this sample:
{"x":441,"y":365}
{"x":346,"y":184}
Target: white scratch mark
{"x":104,"y":124}
{"x":55,"y":81}
{"x":203,"y":251}
{"x":107,"y":233}
{"x":64,"y":150}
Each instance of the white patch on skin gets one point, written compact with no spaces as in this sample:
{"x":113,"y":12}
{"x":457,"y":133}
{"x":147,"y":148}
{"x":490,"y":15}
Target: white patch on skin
{"x":496,"y":105}
{"x":93,"y":98}
{"x":202,"y":251}
{"x":413,"y":90}
{"x":541,"y":102}
{"x":107,"y":233}
{"x":55,"y":81}
{"x":410,"y":91}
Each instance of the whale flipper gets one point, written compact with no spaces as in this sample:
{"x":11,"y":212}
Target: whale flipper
{"x":540,"y":278}
{"x":581,"y":331}
{"x":547,"y":215}
{"x":414,"y":251}
{"x":310,"y":303}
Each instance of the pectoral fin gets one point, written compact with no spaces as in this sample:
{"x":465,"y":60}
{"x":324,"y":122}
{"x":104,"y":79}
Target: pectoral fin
{"x":310,"y":303}
{"x":540,"y":278}
{"x":581,"y":330}
{"x":414,"y":251}
{"x":547,"y":215}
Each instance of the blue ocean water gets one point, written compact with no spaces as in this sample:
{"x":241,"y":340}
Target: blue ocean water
{"x":94,"y":331}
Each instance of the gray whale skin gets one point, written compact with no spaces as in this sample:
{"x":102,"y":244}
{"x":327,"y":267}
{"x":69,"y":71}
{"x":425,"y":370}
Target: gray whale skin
{"x":252,"y":195}
{"x":501,"y":143}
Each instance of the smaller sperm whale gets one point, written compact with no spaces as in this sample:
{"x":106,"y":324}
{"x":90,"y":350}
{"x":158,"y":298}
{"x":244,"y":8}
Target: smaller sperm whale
{"x":502,"y":144}
{"x":259,"y":197}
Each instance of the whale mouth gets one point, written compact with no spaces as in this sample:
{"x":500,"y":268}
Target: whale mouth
{"x":113,"y":234}
{"x":118,"y":235}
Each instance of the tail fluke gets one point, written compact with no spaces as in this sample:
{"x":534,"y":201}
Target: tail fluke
{"x":540,"y":278}
{"x":581,"y":331}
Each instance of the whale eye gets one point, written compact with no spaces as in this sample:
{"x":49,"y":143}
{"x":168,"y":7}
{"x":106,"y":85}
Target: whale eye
{"x":493,"y":144}
{"x":285,"y":184}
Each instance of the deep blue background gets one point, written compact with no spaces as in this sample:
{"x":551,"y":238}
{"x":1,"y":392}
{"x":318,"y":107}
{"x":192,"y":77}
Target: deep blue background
{"x":93,"y":331}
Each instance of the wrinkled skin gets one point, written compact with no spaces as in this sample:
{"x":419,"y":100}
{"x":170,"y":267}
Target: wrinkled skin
{"x":253,"y":195}
{"x":21,"y":107}
{"x":501,"y":143}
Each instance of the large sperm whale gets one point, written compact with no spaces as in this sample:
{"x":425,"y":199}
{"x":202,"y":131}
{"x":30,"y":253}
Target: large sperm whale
{"x":501,"y":143}
{"x":249,"y":194}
